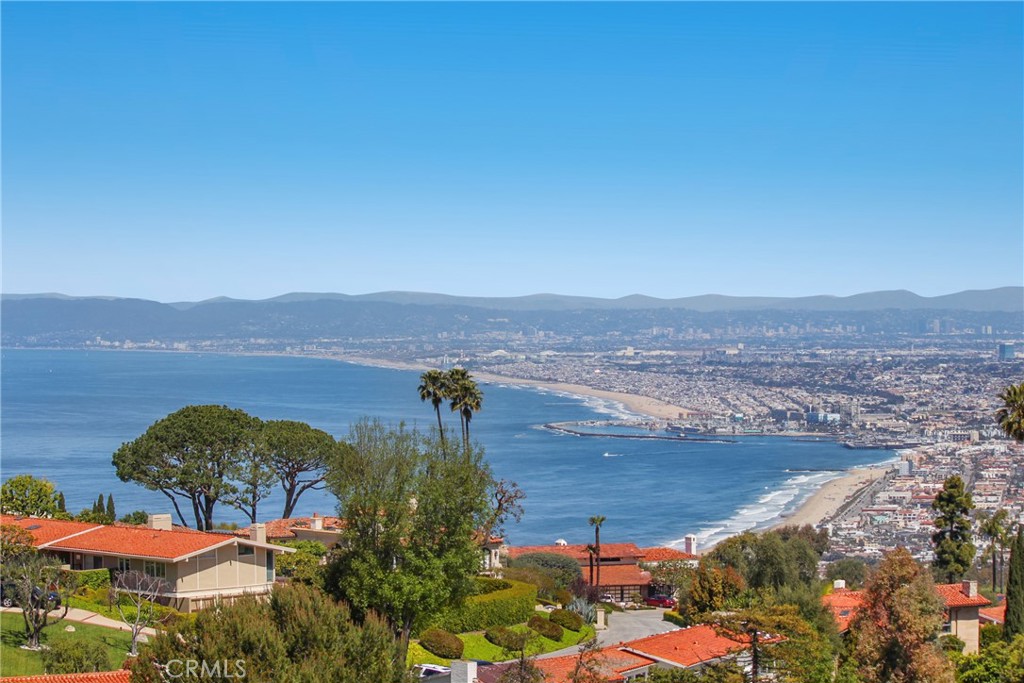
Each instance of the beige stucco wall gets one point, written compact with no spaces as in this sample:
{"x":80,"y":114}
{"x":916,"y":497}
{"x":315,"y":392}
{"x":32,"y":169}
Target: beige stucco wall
{"x":963,"y":623}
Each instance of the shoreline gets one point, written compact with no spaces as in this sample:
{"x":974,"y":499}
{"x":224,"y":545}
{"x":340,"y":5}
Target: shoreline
{"x":816,"y":509}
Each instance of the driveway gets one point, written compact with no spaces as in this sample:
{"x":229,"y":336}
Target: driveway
{"x":624,"y":626}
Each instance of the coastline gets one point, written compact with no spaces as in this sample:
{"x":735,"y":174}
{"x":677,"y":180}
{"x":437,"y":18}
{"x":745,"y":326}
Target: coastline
{"x":827,"y":500}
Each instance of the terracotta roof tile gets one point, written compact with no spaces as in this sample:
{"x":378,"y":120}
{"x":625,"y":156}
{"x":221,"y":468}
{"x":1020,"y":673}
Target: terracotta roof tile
{"x":579,"y":551}
{"x":281,"y":529}
{"x":993,"y":615}
{"x":614,"y":663}
{"x":954,"y":596}
{"x":47,"y":530}
{"x":666,"y":555}
{"x":119,"y":676}
{"x":843,"y":603}
{"x":140,"y":542}
{"x":619,"y":575}
{"x":687,"y":646}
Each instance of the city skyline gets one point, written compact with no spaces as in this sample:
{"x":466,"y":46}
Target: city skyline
{"x":187,"y":151}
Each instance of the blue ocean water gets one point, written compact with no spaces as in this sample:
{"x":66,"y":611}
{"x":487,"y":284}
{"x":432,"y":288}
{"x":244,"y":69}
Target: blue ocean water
{"x":64,"y":413}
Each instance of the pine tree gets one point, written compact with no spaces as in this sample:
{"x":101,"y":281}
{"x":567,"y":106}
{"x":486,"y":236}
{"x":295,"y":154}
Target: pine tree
{"x":61,"y":505}
{"x":110,"y":507}
{"x":954,"y":552}
{"x":1014,"y":624}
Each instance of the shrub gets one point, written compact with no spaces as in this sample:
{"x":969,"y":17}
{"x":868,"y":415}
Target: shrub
{"x":676,"y":618}
{"x":586,"y":610}
{"x":546,"y":628}
{"x":564,"y":570}
{"x":950,"y":643}
{"x":503,"y":607}
{"x":68,"y":656}
{"x":506,"y":638}
{"x":442,"y":643}
{"x":567,"y":619}
{"x":484,"y":585}
{"x":94,"y":578}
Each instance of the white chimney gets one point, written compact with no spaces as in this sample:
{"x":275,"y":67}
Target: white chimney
{"x":690,"y":544}
{"x":258,"y":532}
{"x":970,"y":588}
{"x":160,"y":522}
{"x":316,"y":523}
{"x":463,"y":672}
{"x":839,"y":584}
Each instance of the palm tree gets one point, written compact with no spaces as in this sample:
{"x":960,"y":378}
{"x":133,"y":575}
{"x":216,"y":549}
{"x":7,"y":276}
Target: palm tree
{"x":466,"y":398}
{"x":1011,"y":415}
{"x":993,"y":526}
{"x":596,"y":521}
{"x":434,"y":387}
{"x":591,"y":551}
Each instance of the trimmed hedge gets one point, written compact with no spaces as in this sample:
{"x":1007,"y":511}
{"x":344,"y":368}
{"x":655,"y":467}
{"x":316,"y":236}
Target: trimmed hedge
{"x":442,"y":643}
{"x":506,"y":638}
{"x":504,"y":607}
{"x":676,"y":618}
{"x":546,"y":628}
{"x":93,"y":578}
{"x":485,"y":585}
{"x":566,"y":619}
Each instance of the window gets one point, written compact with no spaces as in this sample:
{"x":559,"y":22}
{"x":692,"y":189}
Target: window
{"x":245,"y":550}
{"x":270,"y":567}
{"x":97,"y":562}
{"x":155,"y":569}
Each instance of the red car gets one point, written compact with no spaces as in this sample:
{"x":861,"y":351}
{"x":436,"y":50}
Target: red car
{"x":660,"y":601}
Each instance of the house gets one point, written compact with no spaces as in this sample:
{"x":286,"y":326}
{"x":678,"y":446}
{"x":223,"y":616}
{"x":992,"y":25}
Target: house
{"x":655,"y":556}
{"x":961,"y":602}
{"x":690,"y":648}
{"x":615,"y":666}
{"x":992,"y":615}
{"x":326,"y":530}
{"x":197,"y":568}
{"x":621,"y":575}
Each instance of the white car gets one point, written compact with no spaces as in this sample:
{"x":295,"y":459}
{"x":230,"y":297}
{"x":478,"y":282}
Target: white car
{"x":428,"y":670}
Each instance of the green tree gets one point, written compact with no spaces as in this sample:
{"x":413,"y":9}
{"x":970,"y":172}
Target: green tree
{"x":111,"y":511}
{"x":954,"y":552}
{"x":466,"y":398}
{"x":1011,"y":415}
{"x":411,"y":515}
{"x":61,"y":504}
{"x":66,"y":656}
{"x":783,"y":641}
{"x":136,"y":517}
{"x":299,"y":455}
{"x":39,"y":585}
{"x":434,"y":387}
{"x":304,"y":565}
{"x":298,"y":636}
{"x":852,"y":570}
{"x":191,"y":455}
{"x":596,"y":521}
{"x":100,"y":506}
{"x":563,"y":570}
{"x":1014,"y":624}
{"x":1000,"y":662}
{"x":26,"y":496}
{"x":894,"y":635}
{"x":993,"y":526}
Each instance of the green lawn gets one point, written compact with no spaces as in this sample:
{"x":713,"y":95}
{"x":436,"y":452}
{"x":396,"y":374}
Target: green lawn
{"x":478,"y":647}
{"x":17,"y":662}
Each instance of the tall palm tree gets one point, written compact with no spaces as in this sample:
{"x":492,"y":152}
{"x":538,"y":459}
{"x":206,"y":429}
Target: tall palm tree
{"x":1011,"y":415}
{"x":993,"y":526}
{"x":466,"y":398}
{"x":434,"y":387}
{"x":596,"y":521}
{"x":591,"y":550}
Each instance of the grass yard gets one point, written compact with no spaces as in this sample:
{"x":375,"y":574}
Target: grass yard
{"x":478,"y":647}
{"x":17,"y":662}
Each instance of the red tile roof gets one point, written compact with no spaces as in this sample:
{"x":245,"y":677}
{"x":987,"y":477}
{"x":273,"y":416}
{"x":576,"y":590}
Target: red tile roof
{"x":579,"y":551}
{"x":993,"y":615}
{"x":613,"y":664}
{"x":954,"y":596}
{"x":619,"y":575}
{"x":119,"y":676}
{"x":666,"y":555}
{"x":124,"y":541}
{"x":843,"y":603}
{"x":686,"y":647}
{"x":281,"y":529}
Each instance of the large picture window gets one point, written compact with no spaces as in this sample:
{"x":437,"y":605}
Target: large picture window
{"x":155,"y":569}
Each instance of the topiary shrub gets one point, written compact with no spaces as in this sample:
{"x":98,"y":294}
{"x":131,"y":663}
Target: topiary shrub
{"x":567,"y":619}
{"x":676,"y":618}
{"x":502,"y":607}
{"x":442,"y":643}
{"x":546,"y":628}
{"x":68,"y":656}
{"x":506,"y":638}
{"x":485,"y":585}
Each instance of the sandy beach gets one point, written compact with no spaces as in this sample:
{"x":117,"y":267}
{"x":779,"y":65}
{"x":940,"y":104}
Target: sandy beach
{"x":826,"y":500}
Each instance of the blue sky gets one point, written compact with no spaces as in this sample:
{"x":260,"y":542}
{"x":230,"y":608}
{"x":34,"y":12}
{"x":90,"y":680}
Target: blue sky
{"x":185,"y":151}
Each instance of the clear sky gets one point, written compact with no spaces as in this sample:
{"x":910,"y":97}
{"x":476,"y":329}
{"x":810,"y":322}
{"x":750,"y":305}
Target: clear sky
{"x":185,"y":151}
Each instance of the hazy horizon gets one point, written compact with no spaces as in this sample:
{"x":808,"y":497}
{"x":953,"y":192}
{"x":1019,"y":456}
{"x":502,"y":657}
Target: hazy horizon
{"x":184,"y":151}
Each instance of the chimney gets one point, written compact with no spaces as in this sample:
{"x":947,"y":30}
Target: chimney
{"x":160,"y":522}
{"x":258,"y":532}
{"x":690,"y":544}
{"x":970,"y":588}
{"x":463,"y":672}
{"x":839,"y":584}
{"x":316,"y":523}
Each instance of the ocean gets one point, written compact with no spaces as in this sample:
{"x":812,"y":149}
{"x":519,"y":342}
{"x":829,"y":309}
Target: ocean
{"x":64,"y":413}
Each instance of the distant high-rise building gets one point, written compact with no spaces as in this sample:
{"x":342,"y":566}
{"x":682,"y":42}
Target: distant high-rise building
{"x":1007,"y":351}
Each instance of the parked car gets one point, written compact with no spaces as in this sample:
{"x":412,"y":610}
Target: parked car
{"x":428,"y":670}
{"x":660,"y":601}
{"x":606,"y":597}
{"x":9,"y":596}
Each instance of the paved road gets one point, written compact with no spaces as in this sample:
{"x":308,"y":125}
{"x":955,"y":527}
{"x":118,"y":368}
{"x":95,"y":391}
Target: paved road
{"x":624,"y":626}
{"x":86,"y":617}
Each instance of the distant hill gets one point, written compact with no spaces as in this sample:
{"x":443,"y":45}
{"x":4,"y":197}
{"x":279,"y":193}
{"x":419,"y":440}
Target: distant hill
{"x":54,"y":319}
